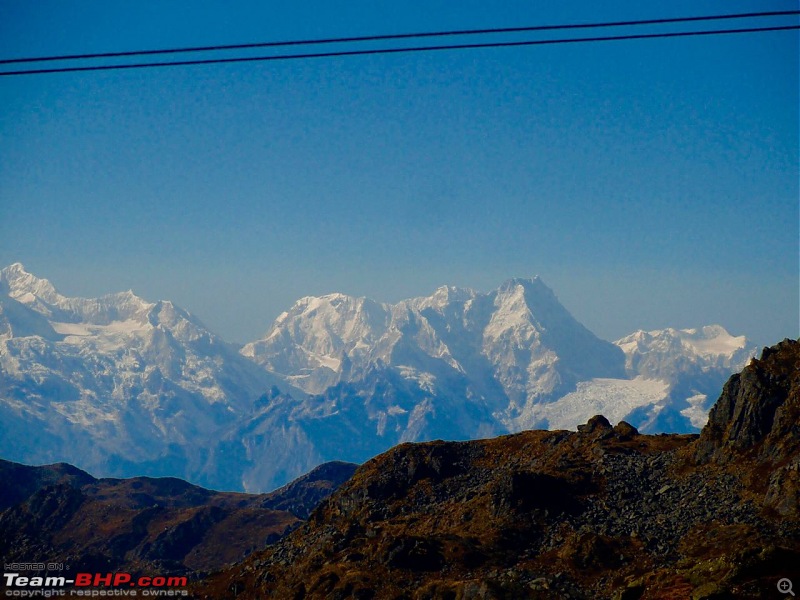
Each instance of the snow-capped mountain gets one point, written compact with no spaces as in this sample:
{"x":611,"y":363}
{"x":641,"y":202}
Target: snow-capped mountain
{"x":506,"y":351}
{"x":116,"y":384}
{"x":513,"y":357}
{"x":122,"y":386}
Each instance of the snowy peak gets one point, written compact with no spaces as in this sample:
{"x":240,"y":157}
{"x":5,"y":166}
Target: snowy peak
{"x":323,"y":340}
{"x":31,"y":306}
{"x":352,"y":319}
{"x":41,"y":296}
{"x":533,"y":284}
{"x":663,"y":353}
{"x":511,"y":311}
{"x":446,"y":295}
{"x":19,"y":320}
{"x":333,"y":315}
{"x":529,"y":302}
{"x":535,"y":292}
{"x":539,"y":350}
{"x":25,"y":287}
{"x":123,"y":306}
{"x":713,"y":341}
{"x":313,"y":343}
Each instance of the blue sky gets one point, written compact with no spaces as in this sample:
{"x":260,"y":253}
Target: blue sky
{"x":650,"y":183}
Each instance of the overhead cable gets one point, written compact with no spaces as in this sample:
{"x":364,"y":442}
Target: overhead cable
{"x":402,"y":36}
{"x":395,"y":50}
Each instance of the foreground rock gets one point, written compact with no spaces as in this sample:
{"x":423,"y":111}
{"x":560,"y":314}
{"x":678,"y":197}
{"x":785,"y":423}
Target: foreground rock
{"x":601,"y":513}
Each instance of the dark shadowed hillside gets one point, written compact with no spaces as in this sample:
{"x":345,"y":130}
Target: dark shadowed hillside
{"x":61,"y":514}
{"x":302,"y":495}
{"x":601,"y":513}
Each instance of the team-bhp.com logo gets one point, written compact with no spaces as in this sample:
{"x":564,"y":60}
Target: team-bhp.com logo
{"x":92,"y":584}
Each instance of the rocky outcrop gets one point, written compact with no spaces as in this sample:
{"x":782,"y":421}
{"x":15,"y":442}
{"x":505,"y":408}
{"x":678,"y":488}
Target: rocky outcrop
{"x":758,"y":413}
{"x":757,"y":421}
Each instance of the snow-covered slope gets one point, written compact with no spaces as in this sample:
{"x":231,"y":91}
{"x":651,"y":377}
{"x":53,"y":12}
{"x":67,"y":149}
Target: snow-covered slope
{"x":321,"y":340}
{"x":116,"y":384}
{"x":615,"y":399}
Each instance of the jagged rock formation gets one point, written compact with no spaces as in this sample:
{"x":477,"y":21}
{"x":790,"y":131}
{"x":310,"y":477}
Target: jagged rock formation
{"x":604,"y":512}
{"x":758,"y":413}
{"x":757,"y":422}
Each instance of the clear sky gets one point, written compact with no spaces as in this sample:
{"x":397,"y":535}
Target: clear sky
{"x":650,"y":183}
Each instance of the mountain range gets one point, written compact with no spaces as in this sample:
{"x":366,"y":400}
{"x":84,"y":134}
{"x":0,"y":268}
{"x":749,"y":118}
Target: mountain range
{"x":121,"y":386}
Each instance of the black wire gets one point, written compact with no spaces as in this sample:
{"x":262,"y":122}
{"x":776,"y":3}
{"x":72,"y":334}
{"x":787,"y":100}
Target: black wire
{"x":399,"y":50}
{"x":373,"y":38}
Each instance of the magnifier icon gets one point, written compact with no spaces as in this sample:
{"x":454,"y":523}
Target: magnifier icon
{"x":785,"y":586}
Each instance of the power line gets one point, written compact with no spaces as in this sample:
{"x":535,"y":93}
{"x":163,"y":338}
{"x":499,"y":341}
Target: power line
{"x":400,"y":36}
{"x":345,"y":53}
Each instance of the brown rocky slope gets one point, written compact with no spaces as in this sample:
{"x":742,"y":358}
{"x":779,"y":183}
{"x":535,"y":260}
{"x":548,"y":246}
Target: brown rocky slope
{"x":600,"y":513}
